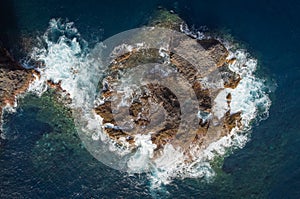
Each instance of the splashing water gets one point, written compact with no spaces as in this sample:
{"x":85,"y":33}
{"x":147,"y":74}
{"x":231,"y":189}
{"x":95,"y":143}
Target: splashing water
{"x":66,"y":59}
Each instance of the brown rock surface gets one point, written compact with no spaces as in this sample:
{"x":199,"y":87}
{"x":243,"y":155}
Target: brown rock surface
{"x":14,"y":79}
{"x":215,"y":49}
{"x":156,"y":105}
{"x":155,"y":109}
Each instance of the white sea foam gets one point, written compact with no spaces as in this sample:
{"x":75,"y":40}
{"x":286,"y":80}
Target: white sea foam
{"x":65,"y":62}
{"x":220,"y":104}
{"x":139,"y":162}
{"x":249,"y":97}
{"x":78,"y":70}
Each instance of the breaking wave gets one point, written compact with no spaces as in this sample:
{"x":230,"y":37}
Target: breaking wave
{"x":65,"y":59}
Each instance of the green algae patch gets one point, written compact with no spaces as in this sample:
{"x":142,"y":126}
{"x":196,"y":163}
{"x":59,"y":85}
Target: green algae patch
{"x":51,"y":110}
{"x":166,"y":19}
{"x":62,"y":143}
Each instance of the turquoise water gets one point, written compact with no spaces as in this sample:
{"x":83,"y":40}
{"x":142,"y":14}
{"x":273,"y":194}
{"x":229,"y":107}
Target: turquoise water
{"x":267,"y":167}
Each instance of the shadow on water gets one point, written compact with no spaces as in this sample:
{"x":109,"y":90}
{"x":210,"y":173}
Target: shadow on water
{"x":9,"y":32}
{"x":8,"y":29}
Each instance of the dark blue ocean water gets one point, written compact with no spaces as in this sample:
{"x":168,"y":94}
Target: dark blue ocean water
{"x":268,"y":166}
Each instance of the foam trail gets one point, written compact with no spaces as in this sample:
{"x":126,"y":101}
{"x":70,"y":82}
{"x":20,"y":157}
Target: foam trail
{"x":67,"y":62}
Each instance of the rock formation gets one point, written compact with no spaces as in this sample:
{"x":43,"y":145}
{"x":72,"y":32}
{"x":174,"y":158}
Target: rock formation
{"x":156,"y":105}
{"x":14,"y":79}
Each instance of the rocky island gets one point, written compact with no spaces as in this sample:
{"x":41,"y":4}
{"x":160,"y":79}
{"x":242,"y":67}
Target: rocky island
{"x":154,"y":108}
{"x":160,"y":85}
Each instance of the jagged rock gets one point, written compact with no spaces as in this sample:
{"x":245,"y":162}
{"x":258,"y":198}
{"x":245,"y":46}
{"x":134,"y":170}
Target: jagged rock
{"x":193,"y":59}
{"x":215,"y":49}
{"x":231,"y":80}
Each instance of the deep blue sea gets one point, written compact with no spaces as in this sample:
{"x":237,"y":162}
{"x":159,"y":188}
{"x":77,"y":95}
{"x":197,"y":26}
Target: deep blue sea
{"x":267,"y":167}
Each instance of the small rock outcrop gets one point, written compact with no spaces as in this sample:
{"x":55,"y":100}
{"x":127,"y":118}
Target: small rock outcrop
{"x":14,"y":79}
